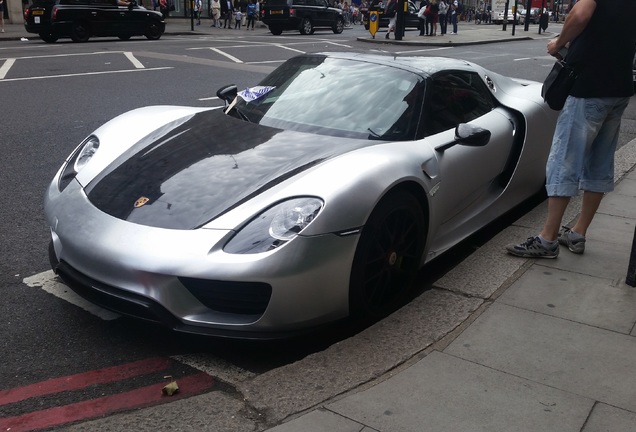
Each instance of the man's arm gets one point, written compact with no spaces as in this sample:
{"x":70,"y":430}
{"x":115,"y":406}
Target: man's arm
{"x":575,"y":23}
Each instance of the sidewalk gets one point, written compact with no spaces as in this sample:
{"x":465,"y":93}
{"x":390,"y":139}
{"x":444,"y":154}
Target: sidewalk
{"x":552,"y":348}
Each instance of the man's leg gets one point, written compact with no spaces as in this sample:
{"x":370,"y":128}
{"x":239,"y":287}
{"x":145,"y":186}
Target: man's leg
{"x":556,"y":210}
{"x":591,"y":202}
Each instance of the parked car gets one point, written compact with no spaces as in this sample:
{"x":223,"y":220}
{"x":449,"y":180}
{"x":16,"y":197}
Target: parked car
{"x":410,"y":17}
{"x":82,"y":19}
{"x":318,"y":212}
{"x":302,"y":15}
{"x":497,"y":17}
{"x":534,"y":16}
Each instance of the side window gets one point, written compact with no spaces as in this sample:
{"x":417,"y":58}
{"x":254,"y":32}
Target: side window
{"x":456,"y":97}
{"x":301,"y":2}
{"x":321,"y":3}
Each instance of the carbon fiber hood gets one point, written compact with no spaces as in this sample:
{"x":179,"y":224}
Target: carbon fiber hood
{"x":203,"y":167}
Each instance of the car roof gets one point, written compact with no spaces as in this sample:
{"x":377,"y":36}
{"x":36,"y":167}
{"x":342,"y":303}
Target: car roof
{"x":425,"y":66}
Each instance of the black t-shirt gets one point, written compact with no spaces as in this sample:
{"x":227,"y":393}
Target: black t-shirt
{"x":603,"y":53}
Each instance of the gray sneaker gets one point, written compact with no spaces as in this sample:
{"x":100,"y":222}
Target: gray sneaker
{"x":533,"y":248}
{"x":575,"y":242}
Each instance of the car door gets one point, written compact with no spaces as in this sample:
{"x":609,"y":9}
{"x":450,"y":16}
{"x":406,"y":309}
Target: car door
{"x":322,"y":15}
{"x":470,"y":177}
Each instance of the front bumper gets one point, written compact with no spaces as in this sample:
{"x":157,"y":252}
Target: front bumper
{"x":148,"y":273}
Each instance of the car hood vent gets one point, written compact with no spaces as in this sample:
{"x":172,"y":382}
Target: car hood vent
{"x":204,"y":167}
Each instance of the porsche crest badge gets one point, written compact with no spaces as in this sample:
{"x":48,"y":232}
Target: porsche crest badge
{"x":141,"y":201}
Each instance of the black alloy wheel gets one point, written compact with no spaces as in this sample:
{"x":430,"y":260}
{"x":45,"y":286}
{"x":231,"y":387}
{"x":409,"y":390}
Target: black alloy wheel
{"x":80,"y":32}
{"x":153,"y":31}
{"x":387,"y":256}
{"x":338,"y":26}
{"x":306,"y":27}
{"x":48,"y":37}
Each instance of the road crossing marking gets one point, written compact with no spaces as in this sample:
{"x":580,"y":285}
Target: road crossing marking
{"x":234,"y":59}
{"x":136,"y":63}
{"x":5,"y":67}
{"x":49,"y":283}
{"x":86,"y":74}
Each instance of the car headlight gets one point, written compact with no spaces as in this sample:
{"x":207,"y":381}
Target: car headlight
{"x":78,"y":160}
{"x":275,"y":226}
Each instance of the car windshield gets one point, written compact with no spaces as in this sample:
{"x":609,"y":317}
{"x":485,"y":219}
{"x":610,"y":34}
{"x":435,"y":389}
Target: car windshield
{"x":337,"y":97}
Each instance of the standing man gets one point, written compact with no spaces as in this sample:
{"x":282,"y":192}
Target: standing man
{"x":454,"y":15}
{"x":582,"y":154}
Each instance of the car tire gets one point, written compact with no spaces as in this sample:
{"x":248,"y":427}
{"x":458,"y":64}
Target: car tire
{"x":338,"y":26}
{"x":306,"y":27}
{"x":48,"y":37}
{"x":153,"y":31}
{"x":387,"y":257}
{"x":276,"y":30}
{"x":124,"y":37}
{"x":80,"y":32}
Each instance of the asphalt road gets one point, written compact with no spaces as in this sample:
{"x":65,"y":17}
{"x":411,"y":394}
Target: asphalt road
{"x":53,"y":96}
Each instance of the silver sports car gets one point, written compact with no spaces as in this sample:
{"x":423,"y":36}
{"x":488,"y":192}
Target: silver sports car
{"x":311,"y":197}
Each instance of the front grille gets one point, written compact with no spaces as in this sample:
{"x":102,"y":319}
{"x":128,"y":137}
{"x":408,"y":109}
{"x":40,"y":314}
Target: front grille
{"x":249,"y":298}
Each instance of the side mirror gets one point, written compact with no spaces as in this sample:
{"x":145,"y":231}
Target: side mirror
{"x":471,"y":135}
{"x":468,"y":135}
{"x":227,"y":93}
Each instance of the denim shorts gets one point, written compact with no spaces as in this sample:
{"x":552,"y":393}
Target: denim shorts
{"x":582,"y":153}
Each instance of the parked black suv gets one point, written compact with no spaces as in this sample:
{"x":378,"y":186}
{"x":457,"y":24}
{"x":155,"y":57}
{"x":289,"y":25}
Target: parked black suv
{"x":81,"y":19}
{"x":302,"y":15}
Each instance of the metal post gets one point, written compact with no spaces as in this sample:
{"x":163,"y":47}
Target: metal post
{"x":399,"y":19}
{"x":631,"y":269}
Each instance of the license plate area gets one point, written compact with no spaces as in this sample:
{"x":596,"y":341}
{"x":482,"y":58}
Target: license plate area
{"x":276,"y":12}
{"x":38,"y":12}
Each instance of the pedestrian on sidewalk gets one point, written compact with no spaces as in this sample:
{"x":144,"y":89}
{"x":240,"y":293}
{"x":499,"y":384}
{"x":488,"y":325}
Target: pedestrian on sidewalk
{"x":441,"y":15}
{"x":390,"y":12}
{"x":582,"y":154}
{"x":216,"y":13}
{"x":226,"y":12}
{"x":197,"y":11}
{"x":421,"y":15}
{"x":251,"y":14}
{"x":455,"y":11}
{"x":238,"y":15}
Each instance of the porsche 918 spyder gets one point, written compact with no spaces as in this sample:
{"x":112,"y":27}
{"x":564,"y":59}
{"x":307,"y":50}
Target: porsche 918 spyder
{"x":314,"y":196}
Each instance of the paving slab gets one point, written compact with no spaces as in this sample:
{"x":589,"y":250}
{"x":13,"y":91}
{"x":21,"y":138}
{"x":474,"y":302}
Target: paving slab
{"x":484,"y":271}
{"x":574,"y":297}
{"x":445,"y":393}
{"x":607,"y":418}
{"x":321,"y":420}
{"x":574,"y":357}
{"x":379,"y":349}
{"x":602,"y":259}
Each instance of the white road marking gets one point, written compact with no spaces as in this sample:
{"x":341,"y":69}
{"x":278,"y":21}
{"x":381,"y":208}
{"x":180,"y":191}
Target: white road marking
{"x":136,"y":63}
{"x":52,"y":285}
{"x":234,"y":59}
{"x":524,"y":58}
{"x":425,"y":50}
{"x":289,"y":48}
{"x":4,"y":69}
{"x":69,"y":55}
{"x":85,"y":74}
